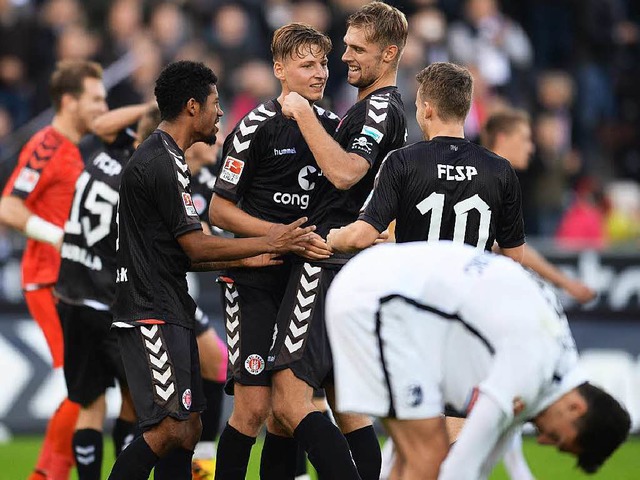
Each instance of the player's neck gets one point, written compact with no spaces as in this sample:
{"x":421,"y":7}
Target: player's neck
{"x":386,"y":80}
{"x":181,"y":135}
{"x":445,"y":130}
{"x":65,"y":126}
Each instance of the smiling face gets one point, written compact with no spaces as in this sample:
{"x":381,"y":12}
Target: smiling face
{"x":304,"y":72}
{"x":89,"y":105}
{"x":364,"y":59}
{"x":207,"y":117}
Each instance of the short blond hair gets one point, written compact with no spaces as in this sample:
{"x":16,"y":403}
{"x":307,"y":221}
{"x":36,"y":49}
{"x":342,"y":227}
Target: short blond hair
{"x":298,"y":39}
{"x":449,"y":87}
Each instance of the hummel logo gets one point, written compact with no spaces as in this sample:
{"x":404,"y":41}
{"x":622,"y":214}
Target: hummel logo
{"x":284,"y":151}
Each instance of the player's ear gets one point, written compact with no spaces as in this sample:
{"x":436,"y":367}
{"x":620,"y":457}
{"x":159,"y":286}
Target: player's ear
{"x":68,"y":100}
{"x":278,"y":70}
{"x":192,"y":107}
{"x":429,"y":111}
{"x":390,"y":53}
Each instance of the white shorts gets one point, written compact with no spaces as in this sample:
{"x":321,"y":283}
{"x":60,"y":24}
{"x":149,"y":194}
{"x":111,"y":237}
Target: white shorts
{"x":386,"y":363}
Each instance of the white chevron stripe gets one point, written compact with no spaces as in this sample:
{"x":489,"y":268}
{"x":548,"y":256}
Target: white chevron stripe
{"x":232,"y":340}
{"x":159,"y":362}
{"x":165,"y":393}
{"x":378,"y":105}
{"x":305,"y":301}
{"x":183,"y":180}
{"x":320,"y":110}
{"x":377,"y":118}
{"x":232,"y":309}
{"x":247,"y":130}
{"x":263,"y":109}
{"x":154,"y":347}
{"x":293,"y":347}
{"x":80,"y":450}
{"x":255,"y":117}
{"x":307,"y":285}
{"x":162,"y":378}
{"x":311,"y":270}
{"x":230,"y":294}
{"x":381,"y":98}
{"x":240,"y":146}
{"x":231,"y":326}
{"x":297,"y":331}
{"x":181,"y":166}
{"x":300,"y":315}
{"x":149,"y":332}
{"x":233,"y":356}
{"x":86,"y":460}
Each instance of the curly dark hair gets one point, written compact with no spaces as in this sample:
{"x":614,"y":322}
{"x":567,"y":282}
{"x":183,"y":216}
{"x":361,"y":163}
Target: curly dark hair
{"x":602,"y":429}
{"x":178,"y":83}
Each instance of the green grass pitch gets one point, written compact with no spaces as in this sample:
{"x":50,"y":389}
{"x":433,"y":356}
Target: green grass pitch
{"x":18,"y":456}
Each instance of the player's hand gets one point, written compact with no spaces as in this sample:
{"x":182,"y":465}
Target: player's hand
{"x":294,"y":104}
{"x":264,"y":260}
{"x":289,"y":238}
{"x":382,"y":238}
{"x":316,"y":248}
{"x":581,"y":292}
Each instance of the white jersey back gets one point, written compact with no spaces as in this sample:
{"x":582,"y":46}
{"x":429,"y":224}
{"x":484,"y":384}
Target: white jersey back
{"x":490,"y":324}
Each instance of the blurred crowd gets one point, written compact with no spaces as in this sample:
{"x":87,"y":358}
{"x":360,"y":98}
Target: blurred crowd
{"x":570,"y":63}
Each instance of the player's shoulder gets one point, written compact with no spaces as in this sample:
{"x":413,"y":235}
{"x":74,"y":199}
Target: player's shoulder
{"x":326,"y":116}
{"x":46,"y":145}
{"x":261,"y":116}
{"x":500,"y":163}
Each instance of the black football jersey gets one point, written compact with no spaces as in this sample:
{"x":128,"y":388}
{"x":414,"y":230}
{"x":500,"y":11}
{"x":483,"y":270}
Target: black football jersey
{"x":448,"y":189}
{"x":268,"y":169}
{"x":371,"y":128}
{"x":155,"y":209}
{"x":88,"y":267}
{"x":201,"y":191}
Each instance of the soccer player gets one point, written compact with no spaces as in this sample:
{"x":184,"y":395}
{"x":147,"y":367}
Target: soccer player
{"x":269,"y":176}
{"x":85,"y":290}
{"x":300,"y":356}
{"x":445,"y":188}
{"x":488,"y":339}
{"x":508,"y":134}
{"x":159,"y":238}
{"x":36,"y":201}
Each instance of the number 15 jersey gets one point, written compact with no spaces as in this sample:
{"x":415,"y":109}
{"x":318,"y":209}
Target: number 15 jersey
{"x":448,"y":189}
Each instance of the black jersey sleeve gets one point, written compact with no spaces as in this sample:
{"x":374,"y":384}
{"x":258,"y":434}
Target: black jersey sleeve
{"x":382,"y":206}
{"x":171,"y":190}
{"x":374,"y":130}
{"x":510,"y":232}
{"x":241,"y":153}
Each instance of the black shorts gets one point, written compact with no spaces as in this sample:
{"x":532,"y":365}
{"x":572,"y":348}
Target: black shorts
{"x":250,"y":311}
{"x":302,"y":343}
{"x":163,"y":372}
{"x":91,"y":354}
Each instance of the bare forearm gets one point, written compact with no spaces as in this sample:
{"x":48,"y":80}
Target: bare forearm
{"x":212,"y":266}
{"x":352,"y":238}
{"x":216,"y":249}
{"x":14,"y":213}
{"x":536,"y":262}
{"x":226,"y":215}
{"x":108,"y":125}
{"x":340,"y":168}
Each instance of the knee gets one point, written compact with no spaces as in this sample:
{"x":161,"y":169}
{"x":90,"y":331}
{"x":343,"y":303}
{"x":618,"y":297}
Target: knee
{"x":249,"y":420}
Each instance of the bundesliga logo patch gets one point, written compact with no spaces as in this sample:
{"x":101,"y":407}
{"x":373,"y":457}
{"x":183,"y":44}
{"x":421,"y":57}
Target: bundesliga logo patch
{"x":232,"y":170}
{"x":188,"y":205}
{"x":254,"y":364}
{"x":186,"y":399}
{"x":27,"y":180}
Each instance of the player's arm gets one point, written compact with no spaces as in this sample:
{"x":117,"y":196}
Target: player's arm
{"x":14,"y":213}
{"x":479,"y":437}
{"x":201,"y":248}
{"x":515,"y":253}
{"x":352,"y":238}
{"x":108,"y":125}
{"x":342,"y":169}
{"x":536,"y":262}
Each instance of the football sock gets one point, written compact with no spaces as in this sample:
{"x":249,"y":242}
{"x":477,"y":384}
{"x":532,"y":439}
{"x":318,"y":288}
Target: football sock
{"x":326,"y":447}
{"x":123,"y":434}
{"x":365,"y":451}
{"x":87,"y":448}
{"x":176,"y":465}
{"x":135,"y":462}
{"x":58,"y":440}
{"x":213,"y":392}
{"x":234,"y":449}
{"x":301,"y":460}
{"x":278,"y":461}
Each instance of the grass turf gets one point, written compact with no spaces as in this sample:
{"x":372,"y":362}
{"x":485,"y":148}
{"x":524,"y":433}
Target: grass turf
{"x":18,"y":456}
